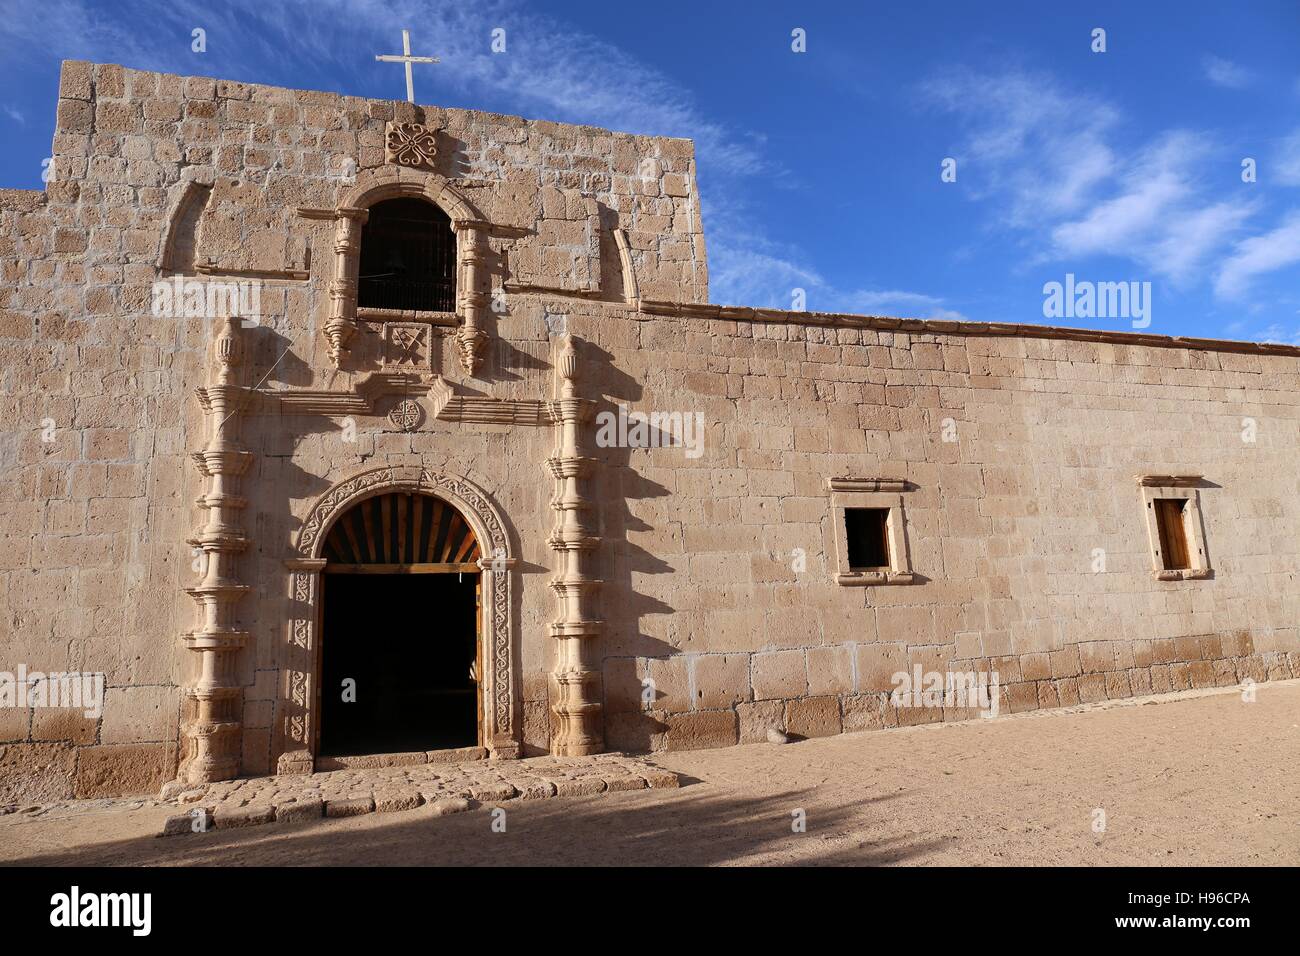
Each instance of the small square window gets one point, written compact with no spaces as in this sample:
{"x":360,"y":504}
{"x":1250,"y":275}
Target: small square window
{"x":868,"y":538}
{"x":868,"y":531}
{"x":1172,"y":526}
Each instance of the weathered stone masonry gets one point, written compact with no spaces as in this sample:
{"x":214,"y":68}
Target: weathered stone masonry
{"x":633,"y":598}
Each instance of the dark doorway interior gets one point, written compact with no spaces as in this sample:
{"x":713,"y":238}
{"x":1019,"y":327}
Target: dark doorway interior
{"x":409,"y":642}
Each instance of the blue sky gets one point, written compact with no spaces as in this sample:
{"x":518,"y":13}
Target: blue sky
{"x":821,"y":170}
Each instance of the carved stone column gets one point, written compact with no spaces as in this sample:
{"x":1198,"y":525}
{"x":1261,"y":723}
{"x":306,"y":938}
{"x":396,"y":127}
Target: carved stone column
{"x":216,"y":701}
{"x":472,"y":337}
{"x":578,"y":706}
{"x":299,"y":673}
{"x":342,"y":322}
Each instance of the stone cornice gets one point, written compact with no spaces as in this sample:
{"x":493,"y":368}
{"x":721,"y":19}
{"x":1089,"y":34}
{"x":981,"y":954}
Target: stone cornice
{"x":586,"y":292}
{"x":483,"y":410}
{"x":1170,"y":481}
{"x":873,"y":578}
{"x":212,"y":268}
{"x":447,"y":406}
{"x":361,"y":401}
{"x":696,"y":310}
{"x":445,"y":319}
{"x":867,"y":484}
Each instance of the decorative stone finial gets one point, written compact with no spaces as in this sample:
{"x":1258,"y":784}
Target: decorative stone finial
{"x":567,"y":361}
{"x":472,"y":342}
{"x":229,"y":349}
{"x":337,"y":332}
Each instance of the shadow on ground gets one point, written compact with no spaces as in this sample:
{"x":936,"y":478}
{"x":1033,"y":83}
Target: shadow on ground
{"x":650,"y":828}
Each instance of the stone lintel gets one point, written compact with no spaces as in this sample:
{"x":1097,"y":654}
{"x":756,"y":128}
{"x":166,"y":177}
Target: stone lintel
{"x":867,"y":484}
{"x":1170,"y":481}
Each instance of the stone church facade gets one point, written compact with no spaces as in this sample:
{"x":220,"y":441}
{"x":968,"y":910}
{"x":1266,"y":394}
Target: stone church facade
{"x":232,"y":385}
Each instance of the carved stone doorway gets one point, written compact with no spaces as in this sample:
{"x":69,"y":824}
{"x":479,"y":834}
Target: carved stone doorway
{"x":400,"y":651}
{"x":301,"y":688}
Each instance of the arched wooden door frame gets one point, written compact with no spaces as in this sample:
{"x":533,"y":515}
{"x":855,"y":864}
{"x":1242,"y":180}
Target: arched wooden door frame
{"x":502,"y":731}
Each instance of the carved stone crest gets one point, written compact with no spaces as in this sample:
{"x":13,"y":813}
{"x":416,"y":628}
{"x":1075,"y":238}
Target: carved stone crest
{"x":410,"y":144}
{"x":406,"y":345}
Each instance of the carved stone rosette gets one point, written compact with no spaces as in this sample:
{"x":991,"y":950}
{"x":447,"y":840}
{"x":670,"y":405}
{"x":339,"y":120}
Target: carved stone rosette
{"x":471,"y":337}
{"x":342,"y":321}
{"x":578,"y":705}
{"x":410,"y":144}
{"x":216,"y":696}
{"x":406,"y":415}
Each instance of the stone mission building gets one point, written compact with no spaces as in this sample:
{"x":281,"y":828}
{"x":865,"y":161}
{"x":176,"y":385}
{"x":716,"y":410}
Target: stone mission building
{"x":342,"y":431}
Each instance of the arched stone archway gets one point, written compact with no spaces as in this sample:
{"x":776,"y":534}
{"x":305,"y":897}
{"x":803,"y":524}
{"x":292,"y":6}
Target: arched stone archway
{"x":390,"y":182}
{"x":501,"y":727}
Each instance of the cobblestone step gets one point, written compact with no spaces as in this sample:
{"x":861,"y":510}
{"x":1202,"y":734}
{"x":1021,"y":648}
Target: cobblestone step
{"x":441,"y":788}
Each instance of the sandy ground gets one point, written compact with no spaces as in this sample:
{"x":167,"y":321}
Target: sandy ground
{"x":1200,"y":779}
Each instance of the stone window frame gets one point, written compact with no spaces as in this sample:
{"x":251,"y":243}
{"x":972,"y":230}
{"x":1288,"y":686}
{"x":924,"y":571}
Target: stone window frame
{"x":1185,"y":488}
{"x":429,"y":317}
{"x":885,"y":493}
{"x":472,"y":261}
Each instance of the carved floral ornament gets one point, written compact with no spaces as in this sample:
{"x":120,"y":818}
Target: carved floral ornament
{"x":410,"y":144}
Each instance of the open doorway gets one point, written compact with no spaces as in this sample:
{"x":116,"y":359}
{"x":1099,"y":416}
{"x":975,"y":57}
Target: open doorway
{"x":400,"y":650}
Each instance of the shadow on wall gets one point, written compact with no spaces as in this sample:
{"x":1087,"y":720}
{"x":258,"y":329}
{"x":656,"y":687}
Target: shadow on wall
{"x":688,"y":828}
{"x":628,"y":636}
{"x":272,"y":359}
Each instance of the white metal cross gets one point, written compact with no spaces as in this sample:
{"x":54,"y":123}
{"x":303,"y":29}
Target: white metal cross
{"x":407,"y":59}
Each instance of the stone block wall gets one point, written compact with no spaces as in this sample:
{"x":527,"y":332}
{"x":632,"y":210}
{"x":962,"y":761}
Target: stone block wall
{"x":97,"y":412}
{"x":705,"y":604}
{"x":1006,"y":521}
{"x":133,"y":138}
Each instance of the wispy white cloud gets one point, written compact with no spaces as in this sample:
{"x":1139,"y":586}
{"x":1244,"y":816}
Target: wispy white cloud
{"x":1286,"y":163}
{"x":14,"y":114}
{"x":1158,"y":216}
{"x":1146,"y":191}
{"x":1225,"y":73}
{"x":1061,"y":171}
{"x":1028,"y":141}
{"x":1281,"y":335}
{"x":746,"y":274}
{"x":770,"y":277}
{"x":899,"y":302}
{"x":1189,"y":239}
{"x":1259,"y":255}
